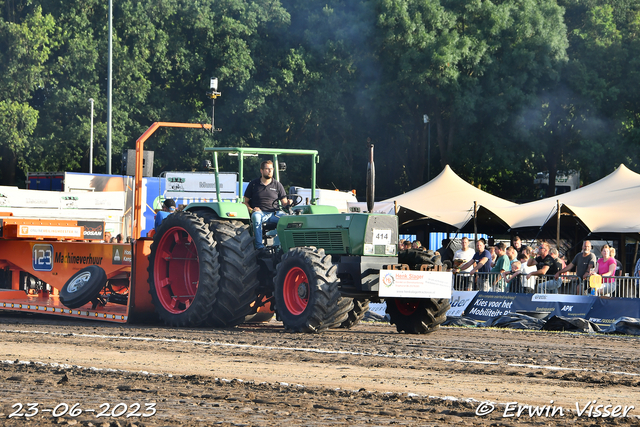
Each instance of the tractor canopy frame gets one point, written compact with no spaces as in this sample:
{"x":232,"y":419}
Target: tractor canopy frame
{"x":243,"y":152}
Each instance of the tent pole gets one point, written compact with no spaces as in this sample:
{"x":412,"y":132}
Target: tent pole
{"x":622,"y":255}
{"x":576,"y":243}
{"x":475,"y":222}
{"x":558,"y":225}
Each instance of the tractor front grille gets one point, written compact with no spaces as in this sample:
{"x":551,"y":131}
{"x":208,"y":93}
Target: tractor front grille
{"x":328,"y":240}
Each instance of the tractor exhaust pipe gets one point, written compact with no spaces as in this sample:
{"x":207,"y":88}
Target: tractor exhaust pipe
{"x":371,"y":180}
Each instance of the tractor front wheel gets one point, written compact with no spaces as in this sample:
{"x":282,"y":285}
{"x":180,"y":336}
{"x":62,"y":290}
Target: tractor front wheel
{"x":417,"y":316}
{"x":306,"y":291}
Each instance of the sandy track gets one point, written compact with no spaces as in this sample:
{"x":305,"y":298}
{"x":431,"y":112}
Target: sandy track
{"x":262,"y":375}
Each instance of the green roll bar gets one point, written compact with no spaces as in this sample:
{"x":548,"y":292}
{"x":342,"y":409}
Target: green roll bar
{"x":243,"y":152}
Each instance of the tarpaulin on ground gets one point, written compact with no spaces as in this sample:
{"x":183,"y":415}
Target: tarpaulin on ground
{"x":624,"y":325}
{"x":461,"y":321}
{"x":515,"y":321}
{"x":566,"y":324}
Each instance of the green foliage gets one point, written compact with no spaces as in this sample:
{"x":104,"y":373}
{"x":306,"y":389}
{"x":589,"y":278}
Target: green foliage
{"x":17,"y":122}
{"x":510,"y":87}
{"x":24,"y":48}
{"x":469,"y":65}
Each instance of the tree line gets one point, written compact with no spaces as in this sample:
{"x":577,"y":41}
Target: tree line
{"x":509,"y":87}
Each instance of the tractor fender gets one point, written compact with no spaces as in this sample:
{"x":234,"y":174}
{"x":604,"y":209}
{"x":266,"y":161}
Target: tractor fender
{"x":222,"y":210}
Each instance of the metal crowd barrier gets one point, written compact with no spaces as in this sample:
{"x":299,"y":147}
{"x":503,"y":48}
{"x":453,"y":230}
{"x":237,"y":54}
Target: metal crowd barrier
{"x":616,"y":286}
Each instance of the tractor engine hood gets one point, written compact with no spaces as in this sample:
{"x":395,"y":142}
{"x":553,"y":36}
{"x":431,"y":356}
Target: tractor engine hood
{"x":342,"y":234}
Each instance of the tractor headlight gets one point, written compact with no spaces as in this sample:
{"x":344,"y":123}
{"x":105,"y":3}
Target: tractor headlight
{"x":369,"y":249}
{"x":390,"y":249}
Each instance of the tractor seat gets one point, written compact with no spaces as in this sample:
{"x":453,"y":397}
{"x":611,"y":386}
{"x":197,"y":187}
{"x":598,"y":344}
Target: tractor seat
{"x":269,"y":226}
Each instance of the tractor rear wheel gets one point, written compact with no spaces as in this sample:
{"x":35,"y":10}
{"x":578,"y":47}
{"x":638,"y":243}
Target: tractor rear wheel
{"x":307,"y":297}
{"x":183,"y":270}
{"x":239,"y":268}
{"x":356,"y":314}
{"x":416,"y":257}
{"x":417,"y":316}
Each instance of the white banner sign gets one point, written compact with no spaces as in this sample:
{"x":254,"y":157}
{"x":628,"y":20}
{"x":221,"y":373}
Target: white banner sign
{"x":415,"y":284}
{"x":557,"y":298}
{"x":180,"y":183}
{"x":459,"y":302}
{"x":48,"y":231}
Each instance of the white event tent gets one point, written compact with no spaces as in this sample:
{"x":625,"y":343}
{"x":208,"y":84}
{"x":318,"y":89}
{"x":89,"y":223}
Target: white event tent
{"x":449,"y":199}
{"x":610,"y":205}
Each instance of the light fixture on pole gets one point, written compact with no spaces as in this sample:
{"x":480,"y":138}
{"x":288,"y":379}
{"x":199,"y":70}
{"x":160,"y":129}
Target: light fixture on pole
{"x":213,"y":94}
{"x":427,"y":122}
{"x":91,"y":140}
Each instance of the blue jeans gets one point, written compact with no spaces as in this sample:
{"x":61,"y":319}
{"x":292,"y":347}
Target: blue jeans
{"x":550,"y":286}
{"x":259,"y":218}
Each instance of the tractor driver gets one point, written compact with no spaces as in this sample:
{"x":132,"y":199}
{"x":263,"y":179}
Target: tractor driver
{"x":168,"y":207}
{"x":261,"y":198}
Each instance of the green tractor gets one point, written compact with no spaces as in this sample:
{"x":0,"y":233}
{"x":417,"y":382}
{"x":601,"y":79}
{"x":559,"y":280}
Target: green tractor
{"x":320,"y":268}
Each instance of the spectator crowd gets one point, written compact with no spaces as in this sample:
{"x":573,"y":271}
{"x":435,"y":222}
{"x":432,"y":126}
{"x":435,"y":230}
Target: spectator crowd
{"x":536,"y":268}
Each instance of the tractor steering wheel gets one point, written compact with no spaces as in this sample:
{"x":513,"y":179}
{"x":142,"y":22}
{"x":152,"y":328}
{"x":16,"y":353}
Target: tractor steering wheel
{"x":296,"y":199}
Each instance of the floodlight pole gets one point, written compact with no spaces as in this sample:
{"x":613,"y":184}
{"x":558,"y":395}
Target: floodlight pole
{"x":427,"y":122}
{"x":91,"y":140}
{"x":109,"y":88}
{"x":213,"y":94}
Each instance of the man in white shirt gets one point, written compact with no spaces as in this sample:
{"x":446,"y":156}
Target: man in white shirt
{"x":461,"y":257}
{"x":530,"y":284}
{"x":465,"y":254}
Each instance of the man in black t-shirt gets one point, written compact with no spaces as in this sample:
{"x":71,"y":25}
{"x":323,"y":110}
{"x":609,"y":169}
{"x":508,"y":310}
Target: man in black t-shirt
{"x":583,"y":262}
{"x":261,"y":198}
{"x":545,"y":265}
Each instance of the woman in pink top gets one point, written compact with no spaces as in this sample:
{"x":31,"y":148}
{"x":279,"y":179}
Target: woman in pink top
{"x":606,"y":267}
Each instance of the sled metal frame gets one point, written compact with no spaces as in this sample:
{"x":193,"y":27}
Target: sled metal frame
{"x":19,"y":254}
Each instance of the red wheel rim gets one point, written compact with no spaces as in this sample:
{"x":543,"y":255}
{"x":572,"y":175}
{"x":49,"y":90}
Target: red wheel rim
{"x":176,"y":271}
{"x":407,"y":307}
{"x":296,"y":291}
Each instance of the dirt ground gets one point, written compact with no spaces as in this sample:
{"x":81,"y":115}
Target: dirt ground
{"x":261,"y":375}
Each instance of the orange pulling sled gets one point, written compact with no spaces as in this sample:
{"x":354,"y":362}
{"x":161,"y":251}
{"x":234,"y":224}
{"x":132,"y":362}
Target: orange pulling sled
{"x":48,"y":265}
